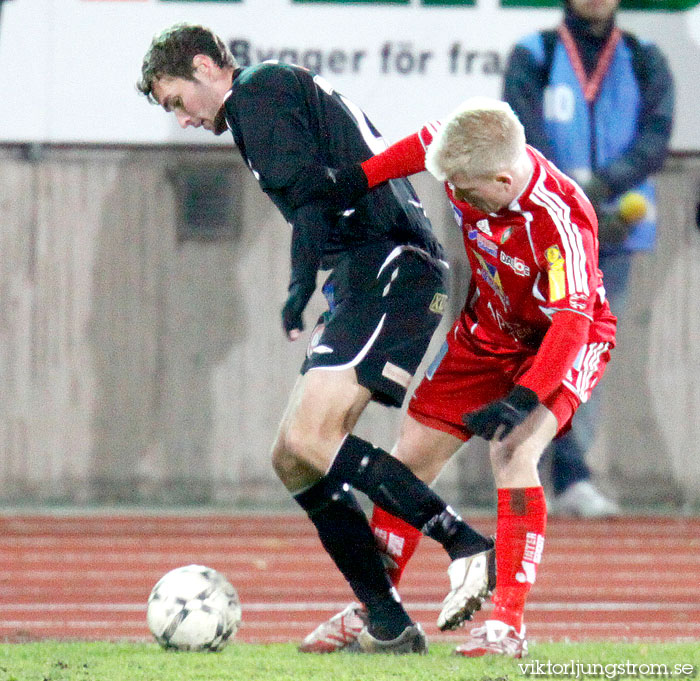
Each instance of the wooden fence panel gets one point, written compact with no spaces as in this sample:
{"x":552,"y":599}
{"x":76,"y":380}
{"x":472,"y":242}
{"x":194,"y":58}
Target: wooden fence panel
{"x":141,"y":364}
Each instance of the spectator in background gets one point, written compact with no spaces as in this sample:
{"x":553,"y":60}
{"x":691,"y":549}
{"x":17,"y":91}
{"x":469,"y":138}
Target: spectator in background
{"x":598,"y":102}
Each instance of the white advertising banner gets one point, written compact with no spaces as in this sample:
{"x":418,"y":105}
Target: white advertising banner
{"x":68,"y":67}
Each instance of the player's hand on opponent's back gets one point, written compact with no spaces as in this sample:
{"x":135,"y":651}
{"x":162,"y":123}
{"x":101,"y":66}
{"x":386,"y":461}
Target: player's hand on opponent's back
{"x":349,"y":185}
{"x":292,"y":319}
{"x":500,"y":417}
{"x":341,"y":188}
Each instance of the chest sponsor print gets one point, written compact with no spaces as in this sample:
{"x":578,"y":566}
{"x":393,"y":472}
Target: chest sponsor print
{"x":489,"y":273}
{"x":487,"y":246}
{"x":516,"y":264}
{"x":483,"y":225}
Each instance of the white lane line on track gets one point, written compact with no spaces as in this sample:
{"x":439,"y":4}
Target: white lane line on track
{"x":48,"y":542}
{"x":689,"y":630}
{"x":556,"y":562}
{"x":603,"y":606}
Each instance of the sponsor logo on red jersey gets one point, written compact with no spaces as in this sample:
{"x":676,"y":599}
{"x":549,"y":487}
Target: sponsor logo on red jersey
{"x":516,"y":264}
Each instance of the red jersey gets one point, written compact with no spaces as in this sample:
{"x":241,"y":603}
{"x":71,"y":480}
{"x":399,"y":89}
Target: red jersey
{"x":534,"y":259}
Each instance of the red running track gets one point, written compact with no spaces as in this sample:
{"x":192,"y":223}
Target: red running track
{"x":88,"y":577}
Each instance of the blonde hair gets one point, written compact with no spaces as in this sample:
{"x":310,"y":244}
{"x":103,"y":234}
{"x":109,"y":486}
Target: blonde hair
{"x":483,"y":136}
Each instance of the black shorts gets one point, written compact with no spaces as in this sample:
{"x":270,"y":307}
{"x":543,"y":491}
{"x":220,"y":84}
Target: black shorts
{"x":384,"y":305}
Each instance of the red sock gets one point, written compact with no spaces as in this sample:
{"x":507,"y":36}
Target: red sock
{"x":522,"y":520}
{"x":397,"y":540}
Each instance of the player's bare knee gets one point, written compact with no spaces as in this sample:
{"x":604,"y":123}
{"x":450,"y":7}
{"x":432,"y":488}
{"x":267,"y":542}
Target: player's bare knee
{"x":514,"y":464}
{"x":295,"y":441}
{"x":502,"y":453}
{"x":282,"y":463}
{"x":287,"y":453}
{"x":292,"y":472}
{"x":311,"y":444}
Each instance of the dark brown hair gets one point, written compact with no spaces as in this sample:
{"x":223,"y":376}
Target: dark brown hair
{"x":172,"y":51}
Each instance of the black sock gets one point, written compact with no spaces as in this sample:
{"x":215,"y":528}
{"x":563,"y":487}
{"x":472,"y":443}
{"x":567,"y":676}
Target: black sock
{"x":347,"y":537}
{"x":393,"y":486}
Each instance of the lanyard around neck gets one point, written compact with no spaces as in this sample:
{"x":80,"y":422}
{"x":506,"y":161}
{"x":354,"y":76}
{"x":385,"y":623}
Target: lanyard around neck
{"x":590,"y":86}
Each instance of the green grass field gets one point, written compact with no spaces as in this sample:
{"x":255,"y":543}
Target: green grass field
{"x":77,"y":661}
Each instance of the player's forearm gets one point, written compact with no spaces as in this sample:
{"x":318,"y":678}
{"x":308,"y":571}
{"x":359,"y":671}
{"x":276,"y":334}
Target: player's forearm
{"x":310,"y":228}
{"x":402,"y":159}
{"x":341,"y":188}
{"x":561,"y":344}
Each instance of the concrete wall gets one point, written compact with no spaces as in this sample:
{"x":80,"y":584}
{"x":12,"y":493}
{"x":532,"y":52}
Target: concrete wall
{"x":143,"y":363}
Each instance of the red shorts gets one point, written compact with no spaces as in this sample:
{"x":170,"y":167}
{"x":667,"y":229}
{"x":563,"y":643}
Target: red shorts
{"x":465,"y":375}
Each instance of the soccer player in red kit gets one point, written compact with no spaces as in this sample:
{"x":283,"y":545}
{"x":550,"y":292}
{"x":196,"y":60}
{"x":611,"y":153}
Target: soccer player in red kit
{"x":531,"y":342}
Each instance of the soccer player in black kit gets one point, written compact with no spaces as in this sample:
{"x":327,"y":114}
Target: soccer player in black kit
{"x":385,"y":295}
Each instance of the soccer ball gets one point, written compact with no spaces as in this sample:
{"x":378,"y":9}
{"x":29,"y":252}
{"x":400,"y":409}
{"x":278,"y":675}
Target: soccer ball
{"x":193,"y":608}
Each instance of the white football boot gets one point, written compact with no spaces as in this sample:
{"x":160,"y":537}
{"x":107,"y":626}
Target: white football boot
{"x":494,"y":638}
{"x":411,"y":640}
{"x":471,"y":581}
{"x":340,"y":632}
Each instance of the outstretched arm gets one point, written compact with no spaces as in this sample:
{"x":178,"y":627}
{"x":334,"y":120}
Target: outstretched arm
{"x":345,"y":186}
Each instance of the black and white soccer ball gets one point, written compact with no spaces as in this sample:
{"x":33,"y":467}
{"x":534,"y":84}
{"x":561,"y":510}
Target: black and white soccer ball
{"x":193,"y":608}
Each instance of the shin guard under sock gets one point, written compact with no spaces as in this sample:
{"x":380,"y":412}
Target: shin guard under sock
{"x":347,"y":538}
{"x":520,"y":530}
{"x":397,"y":540}
{"x":391,"y":485}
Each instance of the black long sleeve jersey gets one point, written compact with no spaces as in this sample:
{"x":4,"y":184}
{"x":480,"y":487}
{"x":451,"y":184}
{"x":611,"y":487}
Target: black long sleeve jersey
{"x":289,"y":126}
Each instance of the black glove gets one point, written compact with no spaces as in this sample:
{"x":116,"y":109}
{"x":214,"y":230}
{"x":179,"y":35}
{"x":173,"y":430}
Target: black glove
{"x":339,"y":188}
{"x":509,"y":412}
{"x":349,"y":185}
{"x":299,"y":295}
